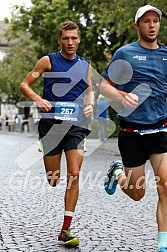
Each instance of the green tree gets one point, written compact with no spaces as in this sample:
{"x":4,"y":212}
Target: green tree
{"x":16,"y":64}
{"x":105,"y":26}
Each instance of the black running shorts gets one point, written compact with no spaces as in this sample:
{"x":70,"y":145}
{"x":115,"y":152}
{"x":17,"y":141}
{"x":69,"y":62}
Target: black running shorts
{"x":135,"y":149}
{"x":56,"y":136}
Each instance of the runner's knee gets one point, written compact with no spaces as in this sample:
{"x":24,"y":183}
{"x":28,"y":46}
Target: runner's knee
{"x":137,"y":194}
{"x":73,"y":179}
{"x":53,"y":178}
{"x":162,"y":188}
{"x":74,"y":173}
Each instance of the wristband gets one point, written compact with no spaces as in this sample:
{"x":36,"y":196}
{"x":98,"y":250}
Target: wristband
{"x":90,"y":104}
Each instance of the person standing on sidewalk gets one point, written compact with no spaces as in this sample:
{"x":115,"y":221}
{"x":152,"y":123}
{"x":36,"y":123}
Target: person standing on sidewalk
{"x":144,"y":129}
{"x":101,"y":116}
{"x":66,"y":105}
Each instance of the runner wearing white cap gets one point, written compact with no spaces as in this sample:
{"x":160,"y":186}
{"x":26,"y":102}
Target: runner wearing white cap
{"x":142,"y":77}
{"x":142,"y":10}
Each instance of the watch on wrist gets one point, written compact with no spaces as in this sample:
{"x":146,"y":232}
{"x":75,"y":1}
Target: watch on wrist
{"x":90,"y":104}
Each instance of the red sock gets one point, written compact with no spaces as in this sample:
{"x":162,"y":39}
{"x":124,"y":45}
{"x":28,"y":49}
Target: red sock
{"x":67,"y":222}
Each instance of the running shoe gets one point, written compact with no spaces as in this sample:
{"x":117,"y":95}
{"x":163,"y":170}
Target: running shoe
{"x":65,"y":238}
{"x":163,"y":249}
{"x":110,"y":183}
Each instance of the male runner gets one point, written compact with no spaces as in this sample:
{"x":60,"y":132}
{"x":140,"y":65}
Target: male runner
{"x":144,"y":133}
{"x":66,"y":104}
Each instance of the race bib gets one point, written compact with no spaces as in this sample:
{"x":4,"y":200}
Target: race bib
{"x":66,"y":111}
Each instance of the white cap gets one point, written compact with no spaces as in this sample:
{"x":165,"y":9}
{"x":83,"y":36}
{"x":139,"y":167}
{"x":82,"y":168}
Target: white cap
{"x":142,"y":10}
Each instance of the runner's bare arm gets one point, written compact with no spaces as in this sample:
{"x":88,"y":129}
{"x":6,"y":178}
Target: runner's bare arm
{"x":108,"y":90}
{"x":43,"y":65}
{"x":89,"y":96}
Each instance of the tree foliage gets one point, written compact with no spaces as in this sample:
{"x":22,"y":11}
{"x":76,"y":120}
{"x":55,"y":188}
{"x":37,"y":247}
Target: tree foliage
{"x":15,"y":66}
{"x":105,"y":26}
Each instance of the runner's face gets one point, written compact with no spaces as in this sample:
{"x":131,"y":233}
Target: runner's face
{"x":148,"y":27}
{"x":69,"y":42}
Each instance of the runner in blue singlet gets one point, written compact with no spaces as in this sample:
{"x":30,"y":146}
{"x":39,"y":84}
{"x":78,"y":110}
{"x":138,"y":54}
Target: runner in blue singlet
{"x":139,"y":70}
{"x":65,"y":107}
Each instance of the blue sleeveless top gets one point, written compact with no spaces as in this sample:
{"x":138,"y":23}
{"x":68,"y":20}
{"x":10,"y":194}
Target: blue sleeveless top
{"x":66,"y":82}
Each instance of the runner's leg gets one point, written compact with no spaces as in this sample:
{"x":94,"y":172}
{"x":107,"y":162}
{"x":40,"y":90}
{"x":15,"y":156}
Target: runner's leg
{"x":74,"y":162}
{"x":132,"y":182}
{"x":159,"y":163}
{"x":52,"y":167}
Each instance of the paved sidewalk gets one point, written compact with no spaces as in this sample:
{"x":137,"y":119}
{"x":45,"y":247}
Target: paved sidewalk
{"x":110,"y":145}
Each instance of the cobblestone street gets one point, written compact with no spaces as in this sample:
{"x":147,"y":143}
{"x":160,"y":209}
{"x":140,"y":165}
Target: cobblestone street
{"x":31,"y":211}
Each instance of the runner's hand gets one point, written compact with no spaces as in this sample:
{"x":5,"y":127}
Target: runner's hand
{"x":130,"y":100}
{"x":44,"y":105}
{"x":88,"y":111}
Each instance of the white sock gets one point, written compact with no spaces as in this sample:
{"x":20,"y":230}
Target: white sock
{"x":117,"y":172}
{"x":68,"y":213}
{"x":162,"y":239}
